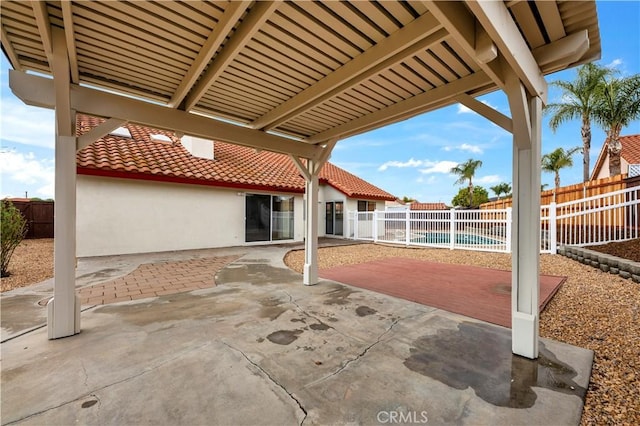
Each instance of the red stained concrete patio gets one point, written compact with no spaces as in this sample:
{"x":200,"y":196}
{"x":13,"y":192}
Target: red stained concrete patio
{"x":480,"y":293}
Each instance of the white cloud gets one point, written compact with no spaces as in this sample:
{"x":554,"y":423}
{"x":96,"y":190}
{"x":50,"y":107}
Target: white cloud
{"x":28,"y":170}
{"x":465,"y":147}
{"x":26,"y":125}
{"x":438,"y":167}
{"x":615,"y":63}
{"x":410,"y":163}
{"x":489,"y":179}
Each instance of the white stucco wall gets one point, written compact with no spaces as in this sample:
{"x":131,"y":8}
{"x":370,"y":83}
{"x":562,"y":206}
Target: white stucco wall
{"x":604,"y":170}
{"x":122,"y":216}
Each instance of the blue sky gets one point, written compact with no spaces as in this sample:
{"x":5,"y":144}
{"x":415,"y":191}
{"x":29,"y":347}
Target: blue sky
{"x":411,"y":158}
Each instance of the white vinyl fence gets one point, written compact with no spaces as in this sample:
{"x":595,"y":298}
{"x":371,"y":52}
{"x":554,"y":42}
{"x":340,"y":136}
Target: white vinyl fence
{"x":589,"y":221}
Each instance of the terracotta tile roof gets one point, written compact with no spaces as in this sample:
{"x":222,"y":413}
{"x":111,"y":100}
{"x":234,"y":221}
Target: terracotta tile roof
{"x":427,"y":206}
{"x":631,"y":148}
{"x":630,"y":153}
{"x":139,"y":157}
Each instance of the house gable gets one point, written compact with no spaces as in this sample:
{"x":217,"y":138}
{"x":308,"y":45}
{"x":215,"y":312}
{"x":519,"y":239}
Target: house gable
{"x":630,"y":155}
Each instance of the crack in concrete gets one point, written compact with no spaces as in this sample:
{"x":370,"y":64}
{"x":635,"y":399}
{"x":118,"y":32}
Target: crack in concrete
{"x":274,"y":381}
{"x":361,"y":354}
{"x":86,"y":375}
{"x":126,"y":379}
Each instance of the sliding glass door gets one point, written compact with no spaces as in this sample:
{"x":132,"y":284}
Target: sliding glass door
{"x":334,"y":217}
{"x":282,"y":218}
{"x":258,"y":217}
{"x":268,"y":218}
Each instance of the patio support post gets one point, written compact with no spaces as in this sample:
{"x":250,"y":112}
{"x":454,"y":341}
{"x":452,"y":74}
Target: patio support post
{"x":63,"y":311}
{"x":310,"y":276}
{"x":311,"y":170}
{"x":526,"y":113}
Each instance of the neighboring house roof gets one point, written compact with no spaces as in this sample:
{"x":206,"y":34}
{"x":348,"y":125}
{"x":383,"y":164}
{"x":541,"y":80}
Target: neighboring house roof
{"x":630,"y":153}
{"x":233,"y":166}
{"x":428,"y":206}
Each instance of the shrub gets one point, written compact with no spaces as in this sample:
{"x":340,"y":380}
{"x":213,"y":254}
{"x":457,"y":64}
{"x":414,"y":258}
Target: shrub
{"x":13,"y":228}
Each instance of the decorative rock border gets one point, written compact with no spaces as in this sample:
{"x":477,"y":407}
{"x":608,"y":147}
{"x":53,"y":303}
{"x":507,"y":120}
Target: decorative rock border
{"x":605,"y":262}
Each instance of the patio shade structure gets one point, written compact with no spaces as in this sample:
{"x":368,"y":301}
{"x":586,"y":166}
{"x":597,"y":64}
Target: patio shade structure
{"x":295,"y":78}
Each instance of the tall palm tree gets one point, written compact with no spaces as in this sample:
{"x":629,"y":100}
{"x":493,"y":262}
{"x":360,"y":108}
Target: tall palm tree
{"x":579,"y":99}
{"x":466,"y":171}
{"x":557,"y":160}
{"x":619,"y":105}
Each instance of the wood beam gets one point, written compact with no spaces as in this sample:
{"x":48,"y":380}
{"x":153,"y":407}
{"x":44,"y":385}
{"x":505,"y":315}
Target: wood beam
{"x":39,"y":91}
{"x":486,"y":50}
{"x":567,"y":50}
{"x":231,"y":15}
{"x":41,"y":14}
{"x":258,"y":15}
{"x":8,"y":48}
{"x":65,"y":123}
{"x":498,"y":23}
{"x":69,"y":32}
{"x":427,"y":101}
{"x":486,"y":111}
{"x":518,"y":104}
{"x":416,"y":36}
{"x":302,"y":168}
{"x":98,"y":132}
{"x":471,"y":37}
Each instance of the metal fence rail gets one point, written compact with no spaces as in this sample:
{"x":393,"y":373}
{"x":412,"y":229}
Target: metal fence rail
{"x":589,"y":221}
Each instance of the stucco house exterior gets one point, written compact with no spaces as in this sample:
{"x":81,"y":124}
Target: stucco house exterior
{"x":145,"y":190}
{"x":630,"y":155}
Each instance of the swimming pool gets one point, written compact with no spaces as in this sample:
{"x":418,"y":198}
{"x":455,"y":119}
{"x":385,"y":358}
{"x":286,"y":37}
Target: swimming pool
{"x":461,"y":238}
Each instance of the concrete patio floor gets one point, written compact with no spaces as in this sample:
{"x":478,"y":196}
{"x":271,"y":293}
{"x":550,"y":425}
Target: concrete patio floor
{"x":261,"y":348}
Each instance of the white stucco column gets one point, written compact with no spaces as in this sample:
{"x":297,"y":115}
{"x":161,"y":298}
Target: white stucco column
{"x":63,"y":311}
{"x":310,"y":276}
{"x":525,"y":285}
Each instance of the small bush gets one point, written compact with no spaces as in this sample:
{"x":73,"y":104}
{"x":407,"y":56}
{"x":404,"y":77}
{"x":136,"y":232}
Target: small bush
{"x":13,"y":228}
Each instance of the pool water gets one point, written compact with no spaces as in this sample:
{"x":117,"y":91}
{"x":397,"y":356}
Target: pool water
{"x":443,"y":238}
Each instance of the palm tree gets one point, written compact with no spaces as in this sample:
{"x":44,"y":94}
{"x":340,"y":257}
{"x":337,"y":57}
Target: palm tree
{"x":557,"y":160}
{"x":619,"y":106}
{"x":579,"y":99}
{"x":466,"y":171}
{"x":501,"y":188}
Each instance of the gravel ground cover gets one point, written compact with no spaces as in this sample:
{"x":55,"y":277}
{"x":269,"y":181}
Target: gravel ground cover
{"x":32,"y":262}
{"x":592,"y":310}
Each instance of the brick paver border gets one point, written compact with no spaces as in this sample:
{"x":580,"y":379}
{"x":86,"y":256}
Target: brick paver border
{"x":156,"y":279}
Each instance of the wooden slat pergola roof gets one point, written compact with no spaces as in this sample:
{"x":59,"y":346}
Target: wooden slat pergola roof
{"x":311,"y":71}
